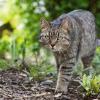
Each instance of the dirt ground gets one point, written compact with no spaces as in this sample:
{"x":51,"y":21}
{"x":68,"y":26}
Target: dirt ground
{"x":17,"y":85}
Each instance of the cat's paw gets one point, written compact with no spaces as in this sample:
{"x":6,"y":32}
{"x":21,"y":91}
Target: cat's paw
{"x":61,"y":89}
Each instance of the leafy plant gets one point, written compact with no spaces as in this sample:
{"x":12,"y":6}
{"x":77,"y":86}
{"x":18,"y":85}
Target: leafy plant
{"x":41,"y":66}
{"x":96,"y":61}
{"x":13,"y":50}
{"x":4,"y":64}
{"x":91,"y":84}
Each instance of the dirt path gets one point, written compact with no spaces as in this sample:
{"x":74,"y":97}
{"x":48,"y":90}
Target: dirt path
{"x":16,"y":85}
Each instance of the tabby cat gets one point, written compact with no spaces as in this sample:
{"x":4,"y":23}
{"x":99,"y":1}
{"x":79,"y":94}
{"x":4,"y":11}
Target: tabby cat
{"x":71,"y":37}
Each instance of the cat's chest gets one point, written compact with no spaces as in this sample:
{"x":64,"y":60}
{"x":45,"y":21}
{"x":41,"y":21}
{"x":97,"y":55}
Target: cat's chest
{"x":63,"y":56}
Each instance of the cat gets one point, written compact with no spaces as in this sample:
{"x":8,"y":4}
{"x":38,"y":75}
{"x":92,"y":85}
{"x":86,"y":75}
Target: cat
{"x":71,"y":37}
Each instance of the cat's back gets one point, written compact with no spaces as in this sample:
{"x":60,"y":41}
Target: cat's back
{"x":81,"y":14}
{"x":87,"y":22}
{"x":85,"y":18}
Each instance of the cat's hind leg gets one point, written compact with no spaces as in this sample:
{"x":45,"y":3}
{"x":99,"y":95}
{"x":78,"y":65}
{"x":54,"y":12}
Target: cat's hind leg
{"x":87,"y":63}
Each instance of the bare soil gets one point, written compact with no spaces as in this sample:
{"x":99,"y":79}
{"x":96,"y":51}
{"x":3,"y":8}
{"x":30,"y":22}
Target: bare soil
{"x":17,"y":85}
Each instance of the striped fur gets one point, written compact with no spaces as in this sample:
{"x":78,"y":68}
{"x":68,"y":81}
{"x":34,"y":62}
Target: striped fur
{"x":70,"y":37}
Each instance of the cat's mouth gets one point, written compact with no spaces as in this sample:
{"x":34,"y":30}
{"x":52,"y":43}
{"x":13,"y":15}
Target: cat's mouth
{"x":54,"y":49}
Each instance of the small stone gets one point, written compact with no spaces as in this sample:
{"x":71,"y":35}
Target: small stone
{"x":47,"y":82}
{"x":58,"y":95}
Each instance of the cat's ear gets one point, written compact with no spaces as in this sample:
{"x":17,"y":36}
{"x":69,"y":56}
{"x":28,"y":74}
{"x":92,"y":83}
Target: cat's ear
{"x":44,"y":24}
{"x":64,"y":24}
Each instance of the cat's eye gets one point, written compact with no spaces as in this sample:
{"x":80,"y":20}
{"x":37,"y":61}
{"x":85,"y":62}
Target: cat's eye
{"x":62,"y":37}
{"x":42,"y":36}
{"x":46,"y":36}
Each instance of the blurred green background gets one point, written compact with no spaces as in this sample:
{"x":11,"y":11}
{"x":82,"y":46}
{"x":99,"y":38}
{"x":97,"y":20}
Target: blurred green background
{"x":20,"y":29}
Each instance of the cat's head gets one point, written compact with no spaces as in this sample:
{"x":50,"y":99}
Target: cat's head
{"x":55,"y":37}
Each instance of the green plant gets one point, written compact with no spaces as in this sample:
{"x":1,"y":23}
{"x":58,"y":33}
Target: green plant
{"x":13,"y":50}
{"x":41,"y":65}
{"x":91,"y":84}
{"x":4,"y":64}
{"x":96,"y":61}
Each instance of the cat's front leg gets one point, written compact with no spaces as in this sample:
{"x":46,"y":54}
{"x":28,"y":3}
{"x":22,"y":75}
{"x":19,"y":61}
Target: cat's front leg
{"x":64,"y":77}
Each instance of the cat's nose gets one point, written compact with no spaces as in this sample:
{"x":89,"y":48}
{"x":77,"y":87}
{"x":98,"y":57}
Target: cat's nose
{"x":52,"y":45}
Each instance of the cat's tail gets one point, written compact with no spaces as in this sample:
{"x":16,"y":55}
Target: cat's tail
{"x":97,"y":42}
